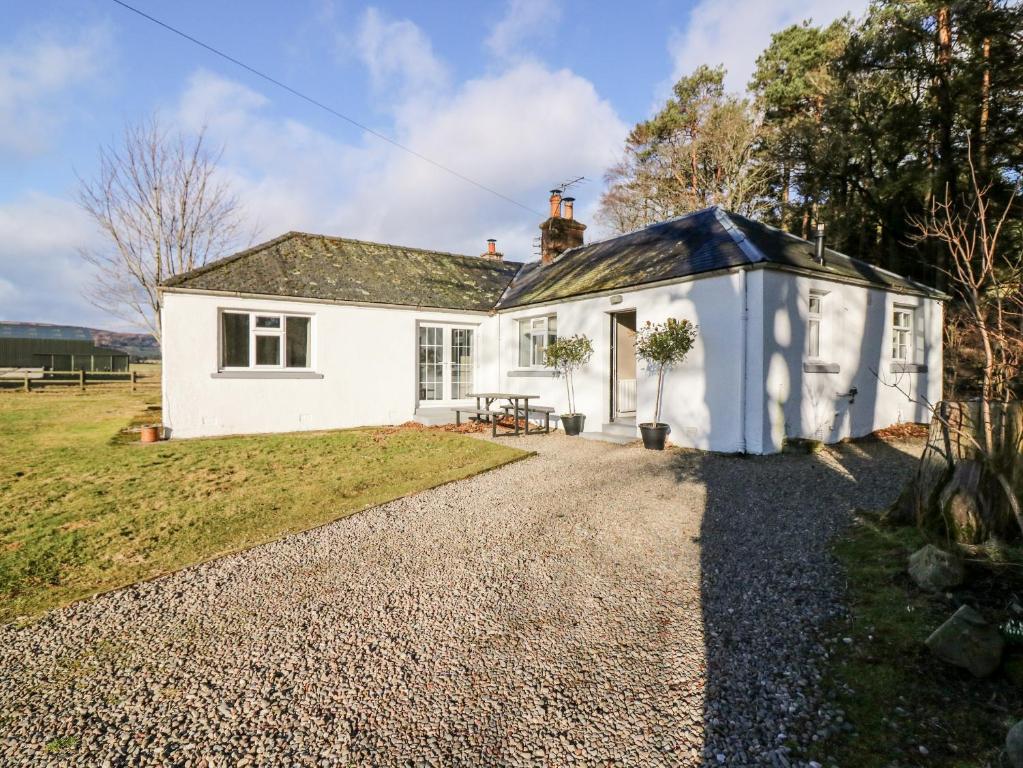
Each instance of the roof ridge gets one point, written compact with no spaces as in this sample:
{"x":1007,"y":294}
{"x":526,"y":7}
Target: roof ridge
{"x":747,"y":246}
{"x":640,"y":229}
{"x":431,"y":251}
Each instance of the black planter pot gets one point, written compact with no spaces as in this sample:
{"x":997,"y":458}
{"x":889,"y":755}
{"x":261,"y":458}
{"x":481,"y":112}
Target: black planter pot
{"x":654,"y":436}
{"x":572,"y":422}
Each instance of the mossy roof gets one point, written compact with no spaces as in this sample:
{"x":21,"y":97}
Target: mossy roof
{"x":703,"y":241}
{"x":338,"y":269}
{"x":308,"y":266}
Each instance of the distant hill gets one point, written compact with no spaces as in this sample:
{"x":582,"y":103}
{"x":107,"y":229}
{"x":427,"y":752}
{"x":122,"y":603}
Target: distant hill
{"x":138,"y":345}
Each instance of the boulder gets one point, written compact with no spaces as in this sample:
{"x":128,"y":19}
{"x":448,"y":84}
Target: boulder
{"x":1014,"y":745}
{"x":968,"y":641}
{"x":935,"y":570}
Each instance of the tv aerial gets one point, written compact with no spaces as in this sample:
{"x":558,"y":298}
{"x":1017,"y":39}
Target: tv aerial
{"x":563,"y":186}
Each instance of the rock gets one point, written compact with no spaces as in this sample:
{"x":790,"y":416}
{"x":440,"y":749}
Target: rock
{"x":935,"y":570}
{"x":1014,"y":745}
{"x":967,"y":640}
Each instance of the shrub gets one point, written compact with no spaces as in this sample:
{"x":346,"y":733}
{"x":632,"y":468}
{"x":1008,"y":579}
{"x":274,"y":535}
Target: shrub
{"x":568,"y":355}
{"x":664,"y":345}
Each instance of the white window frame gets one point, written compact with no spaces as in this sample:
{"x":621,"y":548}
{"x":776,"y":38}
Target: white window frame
{"x":447,"y":364}
{"x":539,"y":326}
{"x":902,"y":334}
{"x":280,"y":333}
{"x":813,"y":318}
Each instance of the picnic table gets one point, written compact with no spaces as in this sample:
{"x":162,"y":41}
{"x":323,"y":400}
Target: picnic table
{"x":512,"y":397}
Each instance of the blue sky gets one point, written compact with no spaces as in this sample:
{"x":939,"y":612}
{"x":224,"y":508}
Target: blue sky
{"x":518,"y":95}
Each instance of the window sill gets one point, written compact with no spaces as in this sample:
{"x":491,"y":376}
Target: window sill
{"x":908,"y":368}
{"x":817,"y":367}
{"x":532,"y":373}
{"x":266,"y":375}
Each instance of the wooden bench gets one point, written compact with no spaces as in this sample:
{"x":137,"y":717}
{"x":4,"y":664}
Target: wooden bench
{"x":479,"y":413}
{"x":545,"y":410}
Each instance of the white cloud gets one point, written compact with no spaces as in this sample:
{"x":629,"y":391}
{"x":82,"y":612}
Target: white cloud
{"x":35,"y":75}
{"x":735,"y":33}
{"x":524,"y":22}
{"x":398,"y":55}
{"x":42,"y":276}
{"x":519,"y":132}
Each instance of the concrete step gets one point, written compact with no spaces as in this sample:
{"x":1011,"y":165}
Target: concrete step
{"x":621,"y":429}
{"x":431,"y":417}
{"x":607,"y":437}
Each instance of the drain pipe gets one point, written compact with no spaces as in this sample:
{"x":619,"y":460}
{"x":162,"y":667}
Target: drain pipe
{"x":744,"y":276}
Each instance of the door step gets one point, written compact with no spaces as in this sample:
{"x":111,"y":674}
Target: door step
{"x":607,"y":437}
{"x":432,"y":417}
{"x":620,"y":429}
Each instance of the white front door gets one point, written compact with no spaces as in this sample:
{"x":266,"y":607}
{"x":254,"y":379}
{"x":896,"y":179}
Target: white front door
{"x":446,"y":363}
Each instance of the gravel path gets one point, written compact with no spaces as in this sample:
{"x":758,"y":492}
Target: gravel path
{"x":594,"y":605}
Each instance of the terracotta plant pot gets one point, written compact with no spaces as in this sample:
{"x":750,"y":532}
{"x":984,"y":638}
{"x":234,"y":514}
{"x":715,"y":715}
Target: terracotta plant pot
{"x":150,"y":434}
{"x":573,"y":423}
{"x":654,"y":436}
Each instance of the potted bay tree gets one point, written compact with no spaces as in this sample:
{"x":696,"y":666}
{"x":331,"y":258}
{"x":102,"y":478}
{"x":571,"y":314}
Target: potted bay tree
{"x":662,"y":346}
{"x":568,"y":355}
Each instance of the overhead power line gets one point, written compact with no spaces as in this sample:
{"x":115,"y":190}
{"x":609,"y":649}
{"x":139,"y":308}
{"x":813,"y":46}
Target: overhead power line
{"x":325,"y":107}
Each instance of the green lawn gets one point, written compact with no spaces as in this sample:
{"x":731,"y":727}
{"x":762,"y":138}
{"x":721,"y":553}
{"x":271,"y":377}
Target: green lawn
{"x":82,"y":510}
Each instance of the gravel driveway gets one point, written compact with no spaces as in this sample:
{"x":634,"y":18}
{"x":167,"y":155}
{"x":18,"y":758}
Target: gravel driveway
{"x":593,"y":605}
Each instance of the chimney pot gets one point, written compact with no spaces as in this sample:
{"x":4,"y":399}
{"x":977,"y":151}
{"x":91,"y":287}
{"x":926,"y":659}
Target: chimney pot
{"x":555,"y":203}
{"x":818,"y":245}
{"x":491,"y":253}
{"x":569,"y":207}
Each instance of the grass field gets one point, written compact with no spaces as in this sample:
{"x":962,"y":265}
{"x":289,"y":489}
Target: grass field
{"x":83,"y":509}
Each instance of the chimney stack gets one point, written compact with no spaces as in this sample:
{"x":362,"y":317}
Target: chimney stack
{"x":818,"y":244}
{"x":559,"y":233}
{"x":569,"y":207}
{"x":492,"y":252}
{"x":555,"y":203}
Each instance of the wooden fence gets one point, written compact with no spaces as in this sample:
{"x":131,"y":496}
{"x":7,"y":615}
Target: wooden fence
{"x":81,"y":378}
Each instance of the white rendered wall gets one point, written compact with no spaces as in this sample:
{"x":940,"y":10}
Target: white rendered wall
{"x":855,"y":336}
{"x":702,"y":399}
{"x":367,"y":356}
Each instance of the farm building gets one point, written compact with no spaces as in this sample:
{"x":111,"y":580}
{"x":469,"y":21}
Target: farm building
{"x":55,"y":348}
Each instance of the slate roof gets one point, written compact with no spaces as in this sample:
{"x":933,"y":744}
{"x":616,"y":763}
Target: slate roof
{"x":703,"y":241}
{"x":337,"y":269}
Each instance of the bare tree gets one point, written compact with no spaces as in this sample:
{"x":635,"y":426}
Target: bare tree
{"x":987,"y":279}
{"x":982,"y":440}
{"x":158,"y":199}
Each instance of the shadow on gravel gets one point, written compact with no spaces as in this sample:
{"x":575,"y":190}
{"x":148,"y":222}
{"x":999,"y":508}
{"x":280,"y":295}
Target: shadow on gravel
{"x":769,"y":585}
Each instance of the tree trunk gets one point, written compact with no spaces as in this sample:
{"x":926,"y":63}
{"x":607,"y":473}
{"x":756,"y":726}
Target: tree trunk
{"x":660,"y":388}
{"x":985,"y":104}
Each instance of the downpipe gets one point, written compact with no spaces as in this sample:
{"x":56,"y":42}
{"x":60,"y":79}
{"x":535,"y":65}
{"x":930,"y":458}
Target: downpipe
{"x":744,"y":276}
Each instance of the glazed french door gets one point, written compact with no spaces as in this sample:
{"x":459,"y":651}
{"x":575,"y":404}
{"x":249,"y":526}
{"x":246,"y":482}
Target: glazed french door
{"x":446,"y":363}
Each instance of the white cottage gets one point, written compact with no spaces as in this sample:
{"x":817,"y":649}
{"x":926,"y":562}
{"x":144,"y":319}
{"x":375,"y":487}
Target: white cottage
{"x":795,"y":341}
